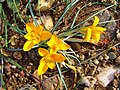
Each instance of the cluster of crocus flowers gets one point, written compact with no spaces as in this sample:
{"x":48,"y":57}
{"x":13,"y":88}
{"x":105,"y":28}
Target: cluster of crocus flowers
{"x":51,"y":56}
{"x":35,"y":35}
{"x":92,"y":33}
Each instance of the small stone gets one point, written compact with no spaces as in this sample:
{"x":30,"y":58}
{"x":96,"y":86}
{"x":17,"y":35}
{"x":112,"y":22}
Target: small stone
{"x":100,"y":58}
{"x":32,"y":88}
{"x":114,"y":48}
{"x":92,"y":64}
{"x":118,"y":59}
{"x":96,"y":61}
{"x":90,"y":4}
{"x":82,"y":57}
{"x":115,"y":83}
{"x":82,"y":75}
{"x":118,"y":36}
{"x":17,"y":55}
{"x":112,"y":55}
{"x":2,"y":1}
{"x":5,"y":53}
{"x":88,"y":81}
{"x":14,"y":67}
{"x":2,"y":41}
{"x":44,"y":5}
{"x":22,"y":73}
{"x":16,"y":74}
{"x":13,"y":43}
{"x":86,"y":88}
{"x":106,"y":75}
{"x":106,"y":57}
{"x":47,"y":21}
{"x":93,"y":54}
{"x":30,"y":64}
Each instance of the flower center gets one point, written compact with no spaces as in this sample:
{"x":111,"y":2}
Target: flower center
{"x":35,"y":36}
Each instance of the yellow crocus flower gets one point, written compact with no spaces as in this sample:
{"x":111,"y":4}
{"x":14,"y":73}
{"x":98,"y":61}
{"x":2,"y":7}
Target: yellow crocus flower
{"x":35,"y":35}
{"x":57,"y":44}
{"x":92,"y":33}
{"x":48,"y":60}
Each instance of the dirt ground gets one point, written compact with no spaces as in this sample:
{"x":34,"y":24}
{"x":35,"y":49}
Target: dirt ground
{"x":92,"y":57}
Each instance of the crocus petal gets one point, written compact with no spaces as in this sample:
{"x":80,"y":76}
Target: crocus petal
{"x":95,"y":21}
{"x":51,"y":65}
{"x":45,"y":35}
{"x":42,"y":52}
{"x":57,"y":57}
{"x":83,"y":30}
{"x":28,"y":45}
{"x":88,"y":35}
{"x":96,"y":37}
{"x":38,"y":29}
{"x":52,"y":41}
{"x":42,"y":67}
{"x":28,"y":36}
{"x":53,"y":50}
{"x":97,"y":30}
{"x":30,"y":27}
{"x":36,"y":41}
{"x":63,"y":45}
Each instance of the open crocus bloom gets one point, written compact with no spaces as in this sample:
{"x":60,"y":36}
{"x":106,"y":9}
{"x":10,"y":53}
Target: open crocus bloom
{"x":92,"y":33}
{"x":48,"y":60}
{"x":35,"y":35}
{"x":57,"y":44}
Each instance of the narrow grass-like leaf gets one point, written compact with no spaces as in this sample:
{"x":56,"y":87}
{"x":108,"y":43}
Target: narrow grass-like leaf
{"x":60,"y":73}
{"x":65,"y":11}
{"x":17,"y":65}
{"x":5,"y":27}
{"x":13,"y":49}
{"x":6,"y":31}
{"x":14,"y":28}
{"x":77,"y":15}
{"x":6,"y":35}
{"x":18,"y":11}
{"x":29,"y":1}
{"x":72,"y":29}
{"x":68,"y":2}
{"x":12,"y":62}
{"x":92,"y":16}
{"x":75,"y":40}
{"x":33,"y":15}
{"x":16,"y":23}
{"x":74,"y":58}
{"x":68,"y":33}
{"x":109,"y":21}
{"x":2,"y":83}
